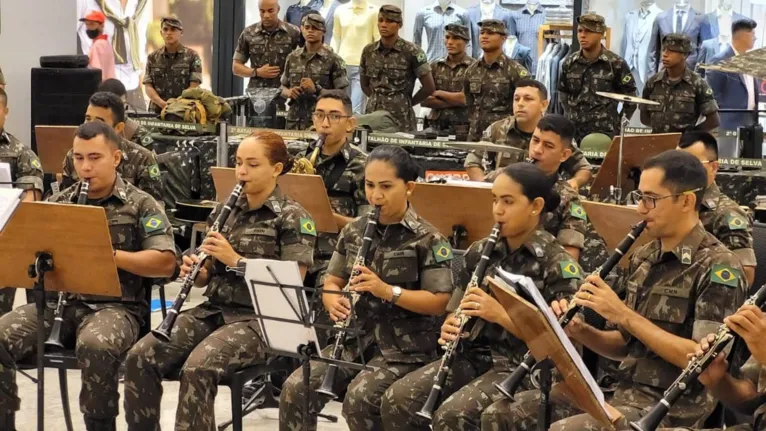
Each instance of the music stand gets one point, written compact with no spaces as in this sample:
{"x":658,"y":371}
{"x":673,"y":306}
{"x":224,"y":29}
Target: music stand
{"x":443,"y":205}
{"x":307,"y":190}
{"x":53,"y":144}
{"x":45,"y":247}
{"x":612,"y":222}
{"x":635,"y":150}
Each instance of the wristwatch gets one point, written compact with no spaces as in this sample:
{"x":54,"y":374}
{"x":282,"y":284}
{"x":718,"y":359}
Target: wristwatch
{"x":318,"y":88}
{"x":396,"y":292}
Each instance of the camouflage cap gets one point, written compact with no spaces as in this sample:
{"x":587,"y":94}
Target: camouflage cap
{"x":391,"y":13}
{"x":315,"y":20}
{"x":677,"y":42}
{"x":172,"y":21}
{"x":457,"y":30}
{"x":494,"y":25}
{"x":592,"y":22}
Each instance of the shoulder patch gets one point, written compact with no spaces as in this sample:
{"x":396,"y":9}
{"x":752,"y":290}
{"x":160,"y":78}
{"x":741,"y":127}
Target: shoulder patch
{"x":725,"y":275}
{"x":152,"y":224}
{"x":308,"y":227}
{"x":523,"y":73}
{"x":709,"y":91}
{"x":36,"y":163}
{"x":154,"y":171}
{"x":736,"y":222}
{"x":421,"y":56}
{"x":626,"y":79}
{"x":577,"y":211}
{"x":569,"y":269}
{"x":442,"y":252}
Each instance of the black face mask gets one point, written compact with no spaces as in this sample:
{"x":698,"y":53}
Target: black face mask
{"x":93,"y":33}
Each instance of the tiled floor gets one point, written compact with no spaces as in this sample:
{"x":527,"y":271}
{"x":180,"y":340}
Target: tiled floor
{"x":26,"y":418}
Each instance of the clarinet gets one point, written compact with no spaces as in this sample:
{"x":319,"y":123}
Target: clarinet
{"x":342,"y":325}
{"x":450,"y":347}
{"x":163,"y":331}
{"x":509,"y":386}
{"x":54,"y":339}
{"x":723,"y":337}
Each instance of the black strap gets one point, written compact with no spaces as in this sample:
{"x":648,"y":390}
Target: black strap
{"x":338,"y":168}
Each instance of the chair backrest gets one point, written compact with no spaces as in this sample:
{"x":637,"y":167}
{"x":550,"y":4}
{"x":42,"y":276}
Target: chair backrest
{"x":457,"y":264}
{"x":759,"y":246}
{"x":148,"y":284}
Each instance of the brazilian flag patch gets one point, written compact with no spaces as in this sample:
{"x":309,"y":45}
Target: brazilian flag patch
{"x":152,"y":224}
{"x":154,"y":171}
{"x":736,"y":222}
{"x":578,"y":211}
{"x":725,"y":275}
{"x":308,"y":227}
{"x":36,"y":163}
{"x":442,"y":252}
{"x":523,"y":73}
{"x":626,"y":79}
{"x":570,"y":270}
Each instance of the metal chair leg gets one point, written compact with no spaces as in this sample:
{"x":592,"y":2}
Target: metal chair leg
{"x":236,"y":405}
{"x":65,"y":398}
{"x":162,"y":301}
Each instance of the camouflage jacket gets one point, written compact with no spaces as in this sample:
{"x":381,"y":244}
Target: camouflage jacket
{"x":489,"y":92}
{"x":449,"y":78}
{"x":581,"y":79}
{"x":172,"y":73}
{"x":264,"y":47}
{"x":325,"y":68}
{"x":24,"y":163}
{"x":136,"y":222}
{"x":280,"y":229}
{"x":722,"y":217}
{"x":680,"y":103}
{"x":756,"y":373}
{"x":687,"y":292}
{"x":392,"y":74}
{"x":543,"y":260}
{"x":138,"y":167}
{"x":135,"y":132}
{"x":411,"y":254}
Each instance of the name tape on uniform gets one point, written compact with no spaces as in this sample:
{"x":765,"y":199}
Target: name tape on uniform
{"x":728,"y":162}
{"x":172,"y":125}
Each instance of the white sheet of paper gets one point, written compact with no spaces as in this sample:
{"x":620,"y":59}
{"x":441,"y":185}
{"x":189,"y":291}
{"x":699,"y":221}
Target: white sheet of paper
{"x":273,"y":301}
{"x":472,"y":184}
{"x":5,"y":176}
{"x":531,"y":290}
{"x":9,"y":201}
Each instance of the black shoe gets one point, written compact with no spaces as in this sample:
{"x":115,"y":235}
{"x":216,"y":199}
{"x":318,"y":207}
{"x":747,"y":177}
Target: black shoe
{"x":101,"y":424}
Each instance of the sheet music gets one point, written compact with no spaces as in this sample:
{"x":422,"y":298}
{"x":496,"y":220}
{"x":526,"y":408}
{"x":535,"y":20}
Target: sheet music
{"x":528,"y":286}
{"x":9,"y":201}
{"x":5,"y":176}
{"x":471,"y":184}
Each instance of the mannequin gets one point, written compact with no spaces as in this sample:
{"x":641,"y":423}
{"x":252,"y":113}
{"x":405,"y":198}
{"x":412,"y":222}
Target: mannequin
{"x":432,"y":19}
{"x":635,"y":42}
{"x":532,"y":6}
{"x":328,"y":12}
{"x":691,"y":23}
{"x":717,"y":24}
{"x":516,"y":51}
{"x":355,"y":25}
{"x":527,"y":22}
{"x":486,"y":9}
{"x":325,"y":9}
{"x":296,"y":11}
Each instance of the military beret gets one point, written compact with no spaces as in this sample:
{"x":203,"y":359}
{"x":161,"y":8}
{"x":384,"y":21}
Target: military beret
{"x":172,"y":21}
{"x":315,"y":20}
{"x":592,"y":22}
{"x":457,"y":30}
{"x":677,"y":42}
{"x":391,"y":13}
{"x":494,"y":25}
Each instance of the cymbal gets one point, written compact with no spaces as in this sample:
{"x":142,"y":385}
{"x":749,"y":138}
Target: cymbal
{"x":626,"y":98}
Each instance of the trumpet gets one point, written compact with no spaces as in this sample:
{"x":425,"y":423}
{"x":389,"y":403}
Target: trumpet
{"x":342,"y":325}
{"x":723,"y":337}
{"x":54,"y":339}
{"x":450,"y":347}
{"x":308,"y":166}
{"x":509,"y":386}
{"x":163,"y":331}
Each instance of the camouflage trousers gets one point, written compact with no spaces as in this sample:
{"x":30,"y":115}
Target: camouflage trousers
{"x":362,"y":403}
{"x":7,"y":296}
{"x":100,"y":338}
{"x":206,"y":349}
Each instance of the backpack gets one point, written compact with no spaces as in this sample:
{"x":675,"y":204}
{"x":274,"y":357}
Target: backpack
{"x":197,"y":105}
{"x":184,"y":110}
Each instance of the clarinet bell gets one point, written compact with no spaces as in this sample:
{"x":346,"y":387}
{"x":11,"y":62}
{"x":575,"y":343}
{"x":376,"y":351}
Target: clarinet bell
{"x":54,"y":339}
{"x":506,"y":388}
{"x":652,"y":420}
{"x":427,"y":412}
{"x":328,"y":383}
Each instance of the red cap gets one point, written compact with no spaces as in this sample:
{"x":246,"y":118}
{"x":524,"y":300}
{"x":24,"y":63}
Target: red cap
{"x":94,"y":16}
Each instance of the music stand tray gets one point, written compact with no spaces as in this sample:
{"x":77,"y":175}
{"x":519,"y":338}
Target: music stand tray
{"x":53,"y":144}
{"x":612,"y":222}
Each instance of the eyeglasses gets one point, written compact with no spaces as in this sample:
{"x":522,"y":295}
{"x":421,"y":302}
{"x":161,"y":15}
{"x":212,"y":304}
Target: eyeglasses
{"x":650,"y":202}
{"x":333,"y":117}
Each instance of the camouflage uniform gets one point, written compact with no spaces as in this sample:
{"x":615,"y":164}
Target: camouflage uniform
{"x":26,"y":168}
{"x":490,"y":353}
{"x":414,"y":256}
{"x":263,"y":47}
{"x":681,"y":102}
{"x":172,"y":73}
{"x":221,"y":335}
{"x":325,"y":68}
{"x":138,"y":167}
{"x":581,"y":78}
{"x":135,"y":132}
{"x":686,"y":292}
{"x":100,"y":328}
{"x":722,"y":217}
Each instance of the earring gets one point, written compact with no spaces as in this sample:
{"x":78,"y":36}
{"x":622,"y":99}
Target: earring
{"x":534,"y":212}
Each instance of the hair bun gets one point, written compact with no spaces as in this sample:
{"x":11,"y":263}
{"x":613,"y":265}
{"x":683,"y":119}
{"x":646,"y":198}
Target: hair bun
{"x":288,"y":165}
{"x":552,"y":201}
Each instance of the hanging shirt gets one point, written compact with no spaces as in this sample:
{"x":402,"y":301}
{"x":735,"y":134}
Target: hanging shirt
{"x":433,"y":19}
{"x":527,"y":26}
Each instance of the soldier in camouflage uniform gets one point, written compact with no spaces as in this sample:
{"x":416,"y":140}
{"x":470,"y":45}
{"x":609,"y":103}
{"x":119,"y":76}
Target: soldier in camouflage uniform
{"x":674,"y":297}
{"x":171,"y":69}
{"x":133,"y":131}
{"x":101,"y":329}
{"x":491,"y":351}
{"x":404,"y":289}
{"x":221,"y":335}
{"x":683,"y":95}
{"x":448,"y":111}
{"x":489,"y":84}
{"x":594,"y":68}
{"x":309,"y":71}
{"x":389,"y":68}
{"x":25,"y":168}
{"x":720,"y":215}
{"x":138,"y":165}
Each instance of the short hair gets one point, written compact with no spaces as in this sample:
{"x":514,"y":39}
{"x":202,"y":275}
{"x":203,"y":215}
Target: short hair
{"x":528,"y":82}
{"x":339,"y":95}
{"x":114,"y":86}
{"x":693,"y":136}
{"x":3,"y":97}
{"x":109,"y":101}
{"x":534,"y":183}
{"x":406,"y":168}
{"x":276,"y":150}
{"x":95,"y":129}
{"x":559,"y":125}
{"x":682,"y":173}
{"x":743,"y":24}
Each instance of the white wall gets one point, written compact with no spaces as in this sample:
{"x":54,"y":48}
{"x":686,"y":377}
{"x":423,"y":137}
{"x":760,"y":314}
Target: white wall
{"x":30,"y":29}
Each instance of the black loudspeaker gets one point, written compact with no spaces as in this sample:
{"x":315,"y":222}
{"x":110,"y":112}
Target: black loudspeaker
{"x":60,"y":96}
{"x":64,"y":61}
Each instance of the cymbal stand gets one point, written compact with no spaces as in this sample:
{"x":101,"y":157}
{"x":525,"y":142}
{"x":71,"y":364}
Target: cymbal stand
{"x":617,"y":191}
